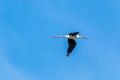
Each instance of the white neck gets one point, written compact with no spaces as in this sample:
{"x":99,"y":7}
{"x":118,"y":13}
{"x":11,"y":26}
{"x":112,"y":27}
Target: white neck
{"x":81,"y":37}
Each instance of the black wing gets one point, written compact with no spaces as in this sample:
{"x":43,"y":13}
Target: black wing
{"x":74,"y":33}
{"x":72,"y":45}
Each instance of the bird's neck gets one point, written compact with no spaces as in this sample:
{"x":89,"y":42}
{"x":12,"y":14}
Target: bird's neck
{"x":81,"y":37}
{"x":77,"y":36}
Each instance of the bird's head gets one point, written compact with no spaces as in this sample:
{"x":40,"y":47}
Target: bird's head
{"x":83,"y":37}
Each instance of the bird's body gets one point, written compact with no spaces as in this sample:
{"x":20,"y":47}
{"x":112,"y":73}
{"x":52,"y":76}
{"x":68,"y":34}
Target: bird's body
{"x":71,"y":40}
{"x":72,"y":37}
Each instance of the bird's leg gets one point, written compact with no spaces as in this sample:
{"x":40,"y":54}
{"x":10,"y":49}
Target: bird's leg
{"x":57,"y":37}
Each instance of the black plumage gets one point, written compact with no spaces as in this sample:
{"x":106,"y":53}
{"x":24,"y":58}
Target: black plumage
{"x":72,"y":45}
{"x":74,"y":33}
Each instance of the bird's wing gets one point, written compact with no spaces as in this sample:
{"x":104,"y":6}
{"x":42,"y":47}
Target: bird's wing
{"x":74,"y":33}
{"x":72,"y":45}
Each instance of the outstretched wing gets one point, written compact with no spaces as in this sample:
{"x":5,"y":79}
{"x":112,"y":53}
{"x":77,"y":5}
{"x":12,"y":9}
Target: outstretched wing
{"x":74,"y":33}
{"x":72,"y":45}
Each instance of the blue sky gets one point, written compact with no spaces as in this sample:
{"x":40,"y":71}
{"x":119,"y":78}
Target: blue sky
{"x":27,"y":51}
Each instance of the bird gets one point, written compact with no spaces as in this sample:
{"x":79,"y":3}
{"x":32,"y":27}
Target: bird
{"x":71,"y":40}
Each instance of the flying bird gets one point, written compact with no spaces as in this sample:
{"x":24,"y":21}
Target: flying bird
{"x":71,"y":40}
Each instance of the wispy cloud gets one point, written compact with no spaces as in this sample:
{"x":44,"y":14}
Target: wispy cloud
{"x":8,"y":71}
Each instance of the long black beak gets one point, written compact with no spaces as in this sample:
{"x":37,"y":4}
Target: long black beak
{"x":85,"y":37}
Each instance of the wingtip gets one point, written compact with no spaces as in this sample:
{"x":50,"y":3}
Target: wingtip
{"x":67,"y":54}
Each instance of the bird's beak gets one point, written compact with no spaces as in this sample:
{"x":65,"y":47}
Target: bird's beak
{"x":84,"y":37}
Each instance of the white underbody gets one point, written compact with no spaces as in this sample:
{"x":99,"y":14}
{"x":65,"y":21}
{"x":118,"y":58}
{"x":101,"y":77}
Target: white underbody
{"x":72,"y":37}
